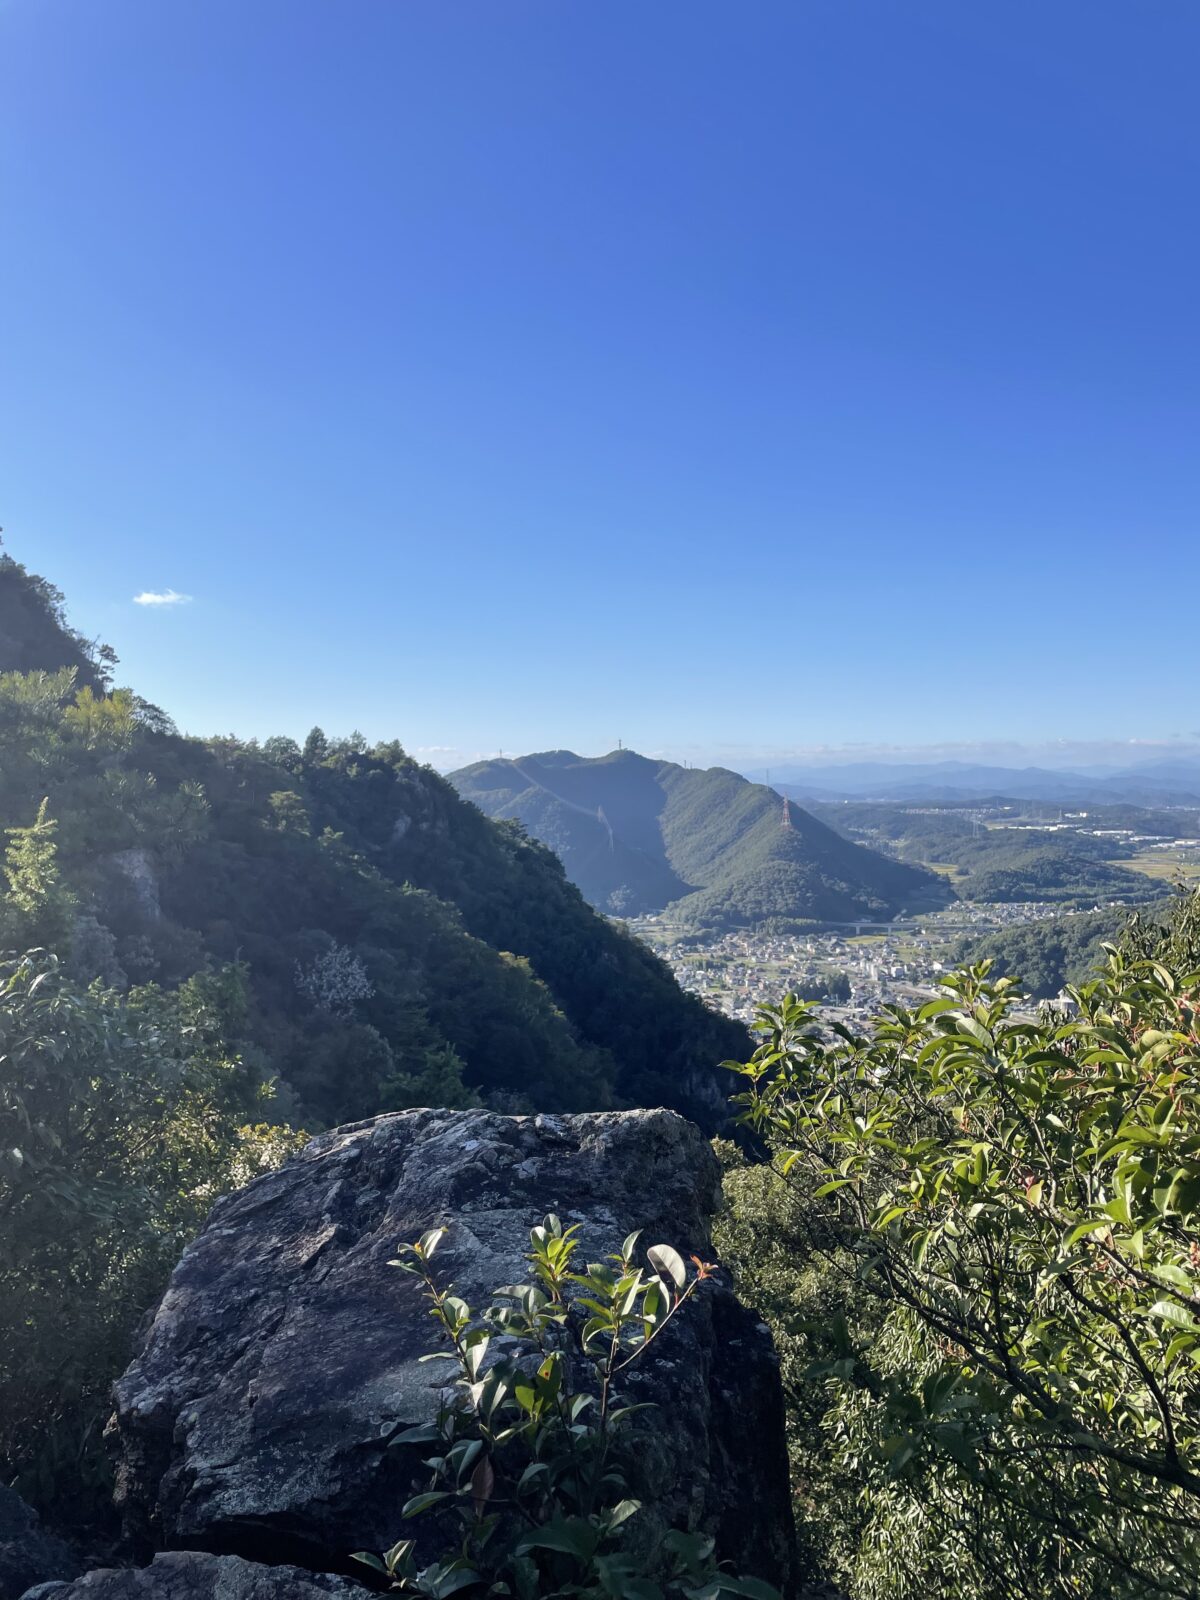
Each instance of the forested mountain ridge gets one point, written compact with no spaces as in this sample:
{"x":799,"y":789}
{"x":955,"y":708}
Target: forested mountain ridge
{"x":395,"y":947}
{"x":35,"y":635}
{"x":639,"y":835}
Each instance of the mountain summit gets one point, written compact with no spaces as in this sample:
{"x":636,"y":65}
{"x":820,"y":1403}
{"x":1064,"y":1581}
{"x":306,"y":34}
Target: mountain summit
{"x":638,"y":835}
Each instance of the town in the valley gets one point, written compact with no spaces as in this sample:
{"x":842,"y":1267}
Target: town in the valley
{"x":853,"y":970}
{"x":856,"y":968}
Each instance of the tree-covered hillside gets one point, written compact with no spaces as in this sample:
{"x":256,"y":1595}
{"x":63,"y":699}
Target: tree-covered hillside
{"x":398,"y":947}
{"x":602,"y":822}
{"x":1006,"y":863}
{"x":1050,"y":871}
{"x":35,"y":635}
{"x":638,"y":835}
{"x":1047,"y":955}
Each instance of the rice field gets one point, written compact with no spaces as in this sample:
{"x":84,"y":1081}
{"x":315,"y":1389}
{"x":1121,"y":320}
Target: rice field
{"x":1166,"y":865}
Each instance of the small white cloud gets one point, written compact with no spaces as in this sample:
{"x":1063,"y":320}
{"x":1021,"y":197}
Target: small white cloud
{"x":161,"y":597}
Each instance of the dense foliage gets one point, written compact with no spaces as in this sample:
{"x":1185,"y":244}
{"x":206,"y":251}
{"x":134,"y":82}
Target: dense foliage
{"x":175,"y":855}
{"x":1168,"y":932}
{"x":983,"y":1256}
{"x":714,"y":849}
{"x":1048,"y":954}
{"x":121,"y":1119}
{"x":535,"y":1451}
{"x":1019,"y":870}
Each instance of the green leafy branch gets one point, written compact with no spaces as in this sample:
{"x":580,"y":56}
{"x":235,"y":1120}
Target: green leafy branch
{"x":530,"y":1464}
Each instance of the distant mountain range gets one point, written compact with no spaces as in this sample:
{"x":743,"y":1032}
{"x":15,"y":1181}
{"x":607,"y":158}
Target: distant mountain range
{"x":1153,"y":783}
{"x":639,"y":836}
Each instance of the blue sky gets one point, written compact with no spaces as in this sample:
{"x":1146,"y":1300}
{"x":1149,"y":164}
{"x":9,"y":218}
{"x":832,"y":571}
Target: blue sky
{"x":729,"y":379}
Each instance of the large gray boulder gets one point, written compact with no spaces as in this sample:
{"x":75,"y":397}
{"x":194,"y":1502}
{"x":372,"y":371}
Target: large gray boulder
{"x":285,"y":1351}
{"x":28,"y":1554}
{"x":191,"y":1575}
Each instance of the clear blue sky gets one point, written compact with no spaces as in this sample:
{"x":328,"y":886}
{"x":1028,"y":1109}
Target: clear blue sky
{"x":726,"y":378}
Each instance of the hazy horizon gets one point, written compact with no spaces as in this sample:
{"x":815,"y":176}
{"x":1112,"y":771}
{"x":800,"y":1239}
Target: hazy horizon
{"x":1061,"y":755}
{"x":1068,"y":754}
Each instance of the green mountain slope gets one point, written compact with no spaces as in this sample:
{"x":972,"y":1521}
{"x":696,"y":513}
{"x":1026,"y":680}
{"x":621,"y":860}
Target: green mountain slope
{"x":1048,"y":954}
{"x":396,"y":947}
{"x":639,"y":835}
{"x":34,"y":635}
{"x":599,"y":817}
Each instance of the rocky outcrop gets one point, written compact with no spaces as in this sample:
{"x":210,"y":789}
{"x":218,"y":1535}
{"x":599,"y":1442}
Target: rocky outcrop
{"x":136,"y":868}
{"x":28,"y":1554}
{"x":285,"y":1351}
{"x":191,"y":1575}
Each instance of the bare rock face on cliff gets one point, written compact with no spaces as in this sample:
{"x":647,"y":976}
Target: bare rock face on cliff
{"x":285,"y":1352}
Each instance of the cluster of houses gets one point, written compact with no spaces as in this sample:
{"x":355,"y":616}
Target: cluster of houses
{"x":739,"y":971}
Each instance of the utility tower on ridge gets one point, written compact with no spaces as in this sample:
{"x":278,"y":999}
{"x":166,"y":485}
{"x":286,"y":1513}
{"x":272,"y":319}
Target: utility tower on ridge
{"x":787,"y":813}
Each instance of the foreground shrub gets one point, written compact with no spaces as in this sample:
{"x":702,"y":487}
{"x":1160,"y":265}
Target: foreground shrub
{"x":992,"y":1223}
{"x":533,"y":1444}
{"x":121,"y":1120}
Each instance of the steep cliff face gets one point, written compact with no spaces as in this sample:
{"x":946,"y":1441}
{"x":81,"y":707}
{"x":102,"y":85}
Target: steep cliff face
{"x":285,"y":1353}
